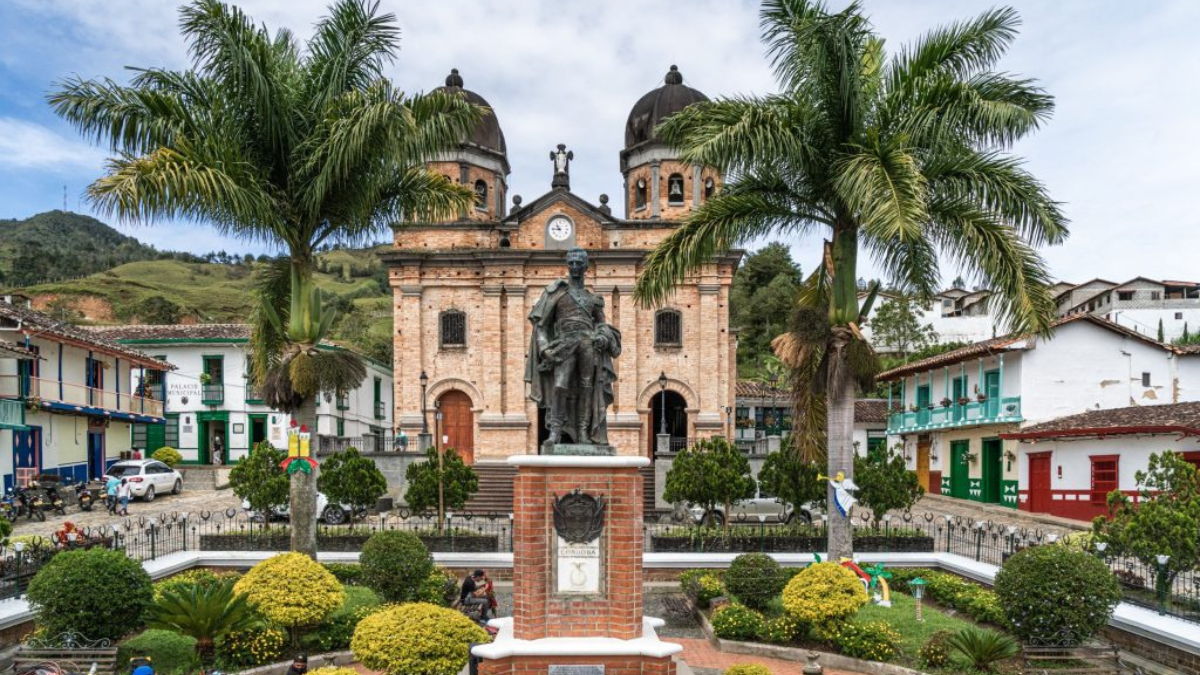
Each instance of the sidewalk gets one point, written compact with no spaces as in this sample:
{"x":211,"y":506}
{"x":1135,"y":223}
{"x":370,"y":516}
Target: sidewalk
{"x":941,"y":505}
{"x":699,"y":653}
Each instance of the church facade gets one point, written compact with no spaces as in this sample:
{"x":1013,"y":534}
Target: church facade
{"x":464,"y":290}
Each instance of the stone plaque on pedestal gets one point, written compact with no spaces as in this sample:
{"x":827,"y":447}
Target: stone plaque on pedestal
{"x":589,"y":669}
{"x":580,"y":569}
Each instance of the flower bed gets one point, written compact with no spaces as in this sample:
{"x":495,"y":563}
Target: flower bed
{"x":343,"y":543}
{"x":789,"y":539}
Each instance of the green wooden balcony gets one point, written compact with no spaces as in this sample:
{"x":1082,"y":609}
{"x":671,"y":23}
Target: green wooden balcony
{"x":974,"y":413}
{"x":12,"y":414}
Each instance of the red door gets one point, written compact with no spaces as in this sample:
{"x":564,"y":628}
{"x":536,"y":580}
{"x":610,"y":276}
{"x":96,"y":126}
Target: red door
{"x":1039,"y":483}
{"x":458,"y":424}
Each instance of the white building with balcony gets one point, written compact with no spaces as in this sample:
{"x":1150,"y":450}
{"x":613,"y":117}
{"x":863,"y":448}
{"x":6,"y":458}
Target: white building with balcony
{"x":75,"y":397}
{"x":1140,"y":304}
{"x":960,"y":413}
{"x":213,"y":414}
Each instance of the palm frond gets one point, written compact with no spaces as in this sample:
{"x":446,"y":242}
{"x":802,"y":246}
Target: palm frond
{"x":129,"y":119}
{"x":883,"y":186}
{"x":962,"y":48}
{"x":349,"y":49}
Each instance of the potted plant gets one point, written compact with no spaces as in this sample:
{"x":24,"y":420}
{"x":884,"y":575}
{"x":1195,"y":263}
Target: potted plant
{"x":205,"y":378}
{"x":963,"y":400}
{"x":33,"y":403}
{"x":913,"y":408}
{"x":946,"y":402}
{"x":979,"y":395}
{"x":970,"y":457}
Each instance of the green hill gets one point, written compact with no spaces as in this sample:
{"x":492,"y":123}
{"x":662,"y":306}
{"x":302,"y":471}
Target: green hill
{"x":57,"y":244}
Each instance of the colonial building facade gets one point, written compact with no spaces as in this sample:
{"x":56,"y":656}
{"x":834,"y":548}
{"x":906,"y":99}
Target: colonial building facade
{"x":464,"y":290}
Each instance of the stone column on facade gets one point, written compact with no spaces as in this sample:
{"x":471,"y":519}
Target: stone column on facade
{"x":464,"y":178}
{"x":696,"y":187}
{"x":410,"y":359}
{"x":709,"y":415}
{"x":655,"y":207}
{"x":489,"y":332}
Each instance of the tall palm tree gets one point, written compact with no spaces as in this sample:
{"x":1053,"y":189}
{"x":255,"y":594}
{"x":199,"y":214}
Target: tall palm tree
{"x":905,"y":157}
{"x":288,"y":144}
{"x":206,"y":612}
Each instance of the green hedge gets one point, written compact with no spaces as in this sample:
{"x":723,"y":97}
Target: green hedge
{"x":168,"y":651}
{"x":950,"y":590}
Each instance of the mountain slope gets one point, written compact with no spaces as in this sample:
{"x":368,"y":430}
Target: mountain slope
{"x":56,"y":244}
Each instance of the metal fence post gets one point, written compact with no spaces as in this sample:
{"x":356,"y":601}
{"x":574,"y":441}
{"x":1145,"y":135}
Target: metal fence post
{"x":153,"y":542}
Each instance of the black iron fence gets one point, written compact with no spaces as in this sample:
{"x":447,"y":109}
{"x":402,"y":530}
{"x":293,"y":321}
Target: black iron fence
{"x":150,"y":538}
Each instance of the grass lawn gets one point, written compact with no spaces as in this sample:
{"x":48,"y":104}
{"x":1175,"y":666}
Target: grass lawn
{"x":901,"y":616}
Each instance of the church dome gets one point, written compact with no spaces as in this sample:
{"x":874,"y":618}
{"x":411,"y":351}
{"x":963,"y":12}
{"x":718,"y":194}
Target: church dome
{"x":487,"y":134}
{"x":657,"y":105}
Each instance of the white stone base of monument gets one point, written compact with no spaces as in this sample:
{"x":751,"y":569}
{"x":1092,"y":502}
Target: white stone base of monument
{"x":506,"y":646}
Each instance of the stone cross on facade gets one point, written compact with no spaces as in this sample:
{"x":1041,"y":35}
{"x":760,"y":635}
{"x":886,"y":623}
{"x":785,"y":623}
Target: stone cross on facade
{"x":562,"y":166}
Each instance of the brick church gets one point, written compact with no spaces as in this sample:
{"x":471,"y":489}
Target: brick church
{"x":464,"y":289}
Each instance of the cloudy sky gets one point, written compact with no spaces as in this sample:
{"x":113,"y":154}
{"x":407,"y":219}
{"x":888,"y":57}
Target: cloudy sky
{"x":1117,"y":153}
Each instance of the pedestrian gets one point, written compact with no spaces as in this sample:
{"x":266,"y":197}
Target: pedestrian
{"x":299,"y":665}
{"x":110,"y":493}
{"x":136,"y":453}
{"x":123,"y":495}
{"x":401,"y":441}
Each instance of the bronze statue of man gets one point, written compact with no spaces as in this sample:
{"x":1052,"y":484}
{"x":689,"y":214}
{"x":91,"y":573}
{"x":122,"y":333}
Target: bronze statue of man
{"x":570,"y":362}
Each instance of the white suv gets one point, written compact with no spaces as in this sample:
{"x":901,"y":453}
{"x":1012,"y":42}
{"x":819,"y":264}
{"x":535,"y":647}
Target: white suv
{"x":147,"y":477}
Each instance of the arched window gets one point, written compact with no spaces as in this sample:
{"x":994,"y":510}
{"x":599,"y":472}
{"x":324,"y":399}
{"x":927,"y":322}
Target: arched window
{"x":453,"y":329}
{"x":668,"y":328}
{"x":675,"y":189}
{"x":639,"y":194}
{"x":710,"y":187}
{"x":481,"y":201}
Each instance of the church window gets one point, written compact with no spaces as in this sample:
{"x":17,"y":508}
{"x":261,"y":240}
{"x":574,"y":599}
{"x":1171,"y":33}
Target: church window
{"x":675,"y":189}
{"x":481,"y":198}
{"x":668,"y":328}
{"x":710,"y":187}
{"x":639,"y":194}
{"x":453,"y":331}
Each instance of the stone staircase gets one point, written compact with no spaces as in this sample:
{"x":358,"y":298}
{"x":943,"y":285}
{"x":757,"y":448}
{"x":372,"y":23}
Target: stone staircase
{"x":495,"y":488}
{"x":205,"y":477}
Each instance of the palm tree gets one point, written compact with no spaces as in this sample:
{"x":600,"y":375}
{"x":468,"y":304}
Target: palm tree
{"x":206,"y":612}
{"x":277,"y":142}
{"x":906,"y":157}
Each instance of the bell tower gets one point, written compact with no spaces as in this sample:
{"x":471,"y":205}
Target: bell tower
{"x":657,"y":184}
{"x":480,"y":161}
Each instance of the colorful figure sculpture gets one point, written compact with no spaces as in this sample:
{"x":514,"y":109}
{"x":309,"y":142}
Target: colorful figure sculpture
{"x":299,"y":457}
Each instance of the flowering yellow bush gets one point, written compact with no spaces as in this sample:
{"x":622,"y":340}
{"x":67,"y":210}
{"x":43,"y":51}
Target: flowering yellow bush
{"x":291,"y":590}
{"x":415,"y":639}
{"x":748,"y":669}
{"x":331,"y":670}
{"x":824,"y":592}
{"x":251,"y":648}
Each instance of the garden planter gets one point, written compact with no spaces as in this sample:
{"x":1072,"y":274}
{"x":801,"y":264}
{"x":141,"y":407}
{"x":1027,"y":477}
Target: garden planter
{"x":342,"y":543}
{"x":787,"y":544}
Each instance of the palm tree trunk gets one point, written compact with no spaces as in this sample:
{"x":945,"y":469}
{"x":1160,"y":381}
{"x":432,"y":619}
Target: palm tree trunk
{"x":303,"y":490}
{"x":839,"y":423}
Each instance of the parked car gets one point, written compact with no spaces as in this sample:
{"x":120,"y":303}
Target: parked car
{"x":330,"y":514}
{"x":749,"y":510}
{"x":147,"y":478}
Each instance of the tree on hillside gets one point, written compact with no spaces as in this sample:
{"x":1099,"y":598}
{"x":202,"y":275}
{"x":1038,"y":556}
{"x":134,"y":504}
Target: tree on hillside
{"x":897,"y":325}
{"x":905,"y":157}
{"x":294,"y":144}
{"x":760,"y":301}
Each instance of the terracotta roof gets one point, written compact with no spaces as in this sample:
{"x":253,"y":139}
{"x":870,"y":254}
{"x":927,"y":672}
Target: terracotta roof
{"x":756,"y":389}
{"x":1175,"y":418}
{"x":39,"y":323}
{"x":199,"y":331}
{"x":13,"y":350}
{"x":1014,"y":342}
{"x":870,"y":410}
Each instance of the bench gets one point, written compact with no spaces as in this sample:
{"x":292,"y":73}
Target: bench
{"x":70,"y":652}
{"x":1068,"y":659}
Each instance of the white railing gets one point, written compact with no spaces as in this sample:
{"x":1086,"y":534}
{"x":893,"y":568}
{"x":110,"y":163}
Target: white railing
{"x":79,"y":394}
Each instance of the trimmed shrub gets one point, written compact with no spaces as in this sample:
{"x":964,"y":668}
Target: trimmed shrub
{"x":737,"y":622}
{"x":335,"y":632}
{"x":754,"y":579}
{"x":347,"y":573}
{"x":98,"y":593}
{"x":252,"y":648}
{"x":935,"y":653}
{"x":169,"y":651}
{"x":168,"y":455}
{"x":331,"y":670}
{"x":291,"y":590}
{"x":416,"y":639}
{"x":6,"y":528}
{"x":1049,"y":590}
{"x":395,"y":564}
{"x":748,"y":669}
{"x":782,"y":630}
{"x":702,"y":586}
{"x":872,"y":640}
{"x":823,"y":593}
{"x":948,"y":590}
{"x":983,"y":647}
{"x":440,"y":588}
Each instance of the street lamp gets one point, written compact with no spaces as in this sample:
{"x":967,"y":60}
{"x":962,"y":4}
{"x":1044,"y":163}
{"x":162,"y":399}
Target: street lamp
{"x":1162,"y":583}
{"x":774,"y":401}
{"x":19,"y":547}
{"x":1101,"y":548}
{"x":662,"y":413}
{"x":437,"y":429}
{"x":424,"y":416}
{"x":917,"y":587}
{"x":729,"y":423}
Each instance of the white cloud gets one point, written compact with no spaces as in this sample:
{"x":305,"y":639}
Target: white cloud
{"x":25,"y":145}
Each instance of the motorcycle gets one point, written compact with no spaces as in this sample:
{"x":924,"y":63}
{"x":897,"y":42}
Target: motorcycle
{"x":9,"y":508}
{"x":30,"y":503}
{"x":54,"y":499}
{"x":84,"y":496}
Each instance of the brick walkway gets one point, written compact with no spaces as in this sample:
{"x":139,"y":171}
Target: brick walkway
{"x":996,"y":513}
{"x":702,"y":654}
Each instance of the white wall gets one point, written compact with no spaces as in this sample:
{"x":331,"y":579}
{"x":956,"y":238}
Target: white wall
{"x":1145,"y":321}
{"x":1074,"y":458}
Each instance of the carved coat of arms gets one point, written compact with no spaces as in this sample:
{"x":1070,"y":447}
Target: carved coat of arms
{"x":579,"y":517}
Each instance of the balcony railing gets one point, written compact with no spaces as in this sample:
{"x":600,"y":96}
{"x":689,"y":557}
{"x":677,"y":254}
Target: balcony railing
{"x":974,"y":413}
{"x":212,"y":393}
{"x":78,"y":394}
{"x":12,"y":414}
{"x":379,"y":410}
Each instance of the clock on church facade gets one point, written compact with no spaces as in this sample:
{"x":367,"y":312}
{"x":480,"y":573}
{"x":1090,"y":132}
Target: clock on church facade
{"x":463,"y":291}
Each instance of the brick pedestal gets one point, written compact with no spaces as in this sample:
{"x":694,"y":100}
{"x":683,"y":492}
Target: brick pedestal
{"x":550,"y":630}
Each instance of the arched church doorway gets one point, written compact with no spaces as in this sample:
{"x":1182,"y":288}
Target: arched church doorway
{"x":458,"y":424}
{"x":676,"y":420}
